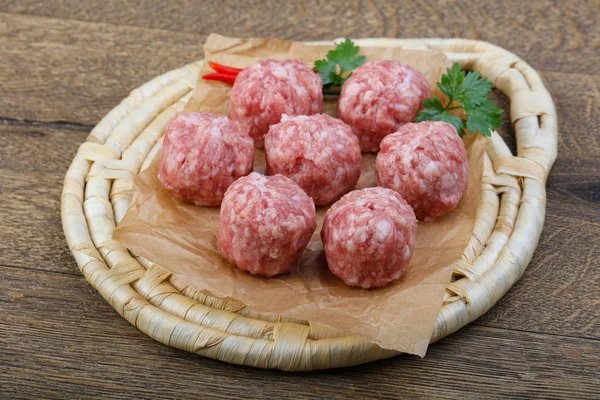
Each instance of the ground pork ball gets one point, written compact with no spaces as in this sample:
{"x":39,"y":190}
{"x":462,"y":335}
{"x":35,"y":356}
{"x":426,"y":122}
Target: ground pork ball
{"x":202,"y":155}
{"x":318,"y":152}
{"x":266,"y":223}
{"x":379,"y":97}
{"x":369,"y":236}
{"x":427,"y":164}
{"x":266,"y":90}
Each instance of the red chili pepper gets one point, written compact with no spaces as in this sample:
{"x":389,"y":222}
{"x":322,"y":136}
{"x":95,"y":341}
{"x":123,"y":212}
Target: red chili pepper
{"x":220,"y":77}
{"x":224,"y":69}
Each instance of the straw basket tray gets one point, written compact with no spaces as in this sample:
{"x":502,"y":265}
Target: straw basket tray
{"x":98,"y":188}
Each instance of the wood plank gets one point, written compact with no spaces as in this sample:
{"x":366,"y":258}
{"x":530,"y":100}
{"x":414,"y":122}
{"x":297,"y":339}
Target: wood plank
{"x":577,"y":101}
{"x":60,"y":338}
{"x":554,"y":35}
{"x":76,"y":71}
{"x":33,"y":161}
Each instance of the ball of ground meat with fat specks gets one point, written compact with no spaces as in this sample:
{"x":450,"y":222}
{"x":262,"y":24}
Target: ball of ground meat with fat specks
{"x":266,"y":90}
{"x":202,"y":155}
{"x":427,"y":164}
{"x":369,"y":236}
{"x":318,"y":152}
{"x":379,"y":97}
{"x":266,"y":223}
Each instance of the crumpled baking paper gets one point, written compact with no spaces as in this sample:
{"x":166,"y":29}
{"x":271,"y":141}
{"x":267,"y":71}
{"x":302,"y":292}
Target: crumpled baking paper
{"x":181,"y":237}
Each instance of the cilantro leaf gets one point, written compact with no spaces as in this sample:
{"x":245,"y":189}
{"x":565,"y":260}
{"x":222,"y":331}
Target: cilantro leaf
{"x":345,"y":55}
{"x":485,"y":118}
{"x":336,"y":68}
{"x":434,"y":111}
{"x":451,"y":81}
{"x":429,"y":115}
{"x":470,"y":90}
{"x":433,"y":103}
{"x":327,"y":71}
{"x":473,"y":90}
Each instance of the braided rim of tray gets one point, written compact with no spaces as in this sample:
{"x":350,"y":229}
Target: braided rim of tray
{"x":99,"y":185}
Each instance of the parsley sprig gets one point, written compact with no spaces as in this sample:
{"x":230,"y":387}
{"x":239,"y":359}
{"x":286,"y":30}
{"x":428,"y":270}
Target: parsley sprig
{"x":339,"y":63}
{"x":470,"y":90}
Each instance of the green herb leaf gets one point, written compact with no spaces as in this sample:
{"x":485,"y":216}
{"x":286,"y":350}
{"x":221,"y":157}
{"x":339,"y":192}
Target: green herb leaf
{"x":470,"y":90}
{"x":484,"y":118}
{"x":473,"y":90}
{"x":451,"y":81}
{"x":346,"y":55}
{"x":433,"y":103}
{"x":336,"y":68}
{"x":434,"y":111}
{"x":327,"y":71}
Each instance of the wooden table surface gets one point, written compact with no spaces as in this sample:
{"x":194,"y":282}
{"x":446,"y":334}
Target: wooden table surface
{"x":64,"y":64}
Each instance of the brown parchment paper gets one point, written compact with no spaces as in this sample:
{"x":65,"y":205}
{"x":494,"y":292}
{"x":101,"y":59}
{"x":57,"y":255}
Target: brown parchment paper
{"x":182,"y":238}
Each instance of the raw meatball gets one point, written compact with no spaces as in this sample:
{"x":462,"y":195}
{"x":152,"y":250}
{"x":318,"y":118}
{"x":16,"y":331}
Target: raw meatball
{"x":265,"y":91}
{"x":318,"y":152}
{"x":202,"y":155}
{"x":369,"y":236}
{"x":379,"y":97}
{"x":427,"y":164}
{"x":266,"y":222}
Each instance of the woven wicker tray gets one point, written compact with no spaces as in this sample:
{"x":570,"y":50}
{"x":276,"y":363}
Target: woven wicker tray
{"x":98,"y":188}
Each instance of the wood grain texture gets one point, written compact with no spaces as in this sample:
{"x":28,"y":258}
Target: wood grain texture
{"x":73,"y":61}
{"x":89,"y":67}
{"x":33,"y":161}
{"x":546,"y":33}
{"x":63,"y":352}
{"x":72,"y":71}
